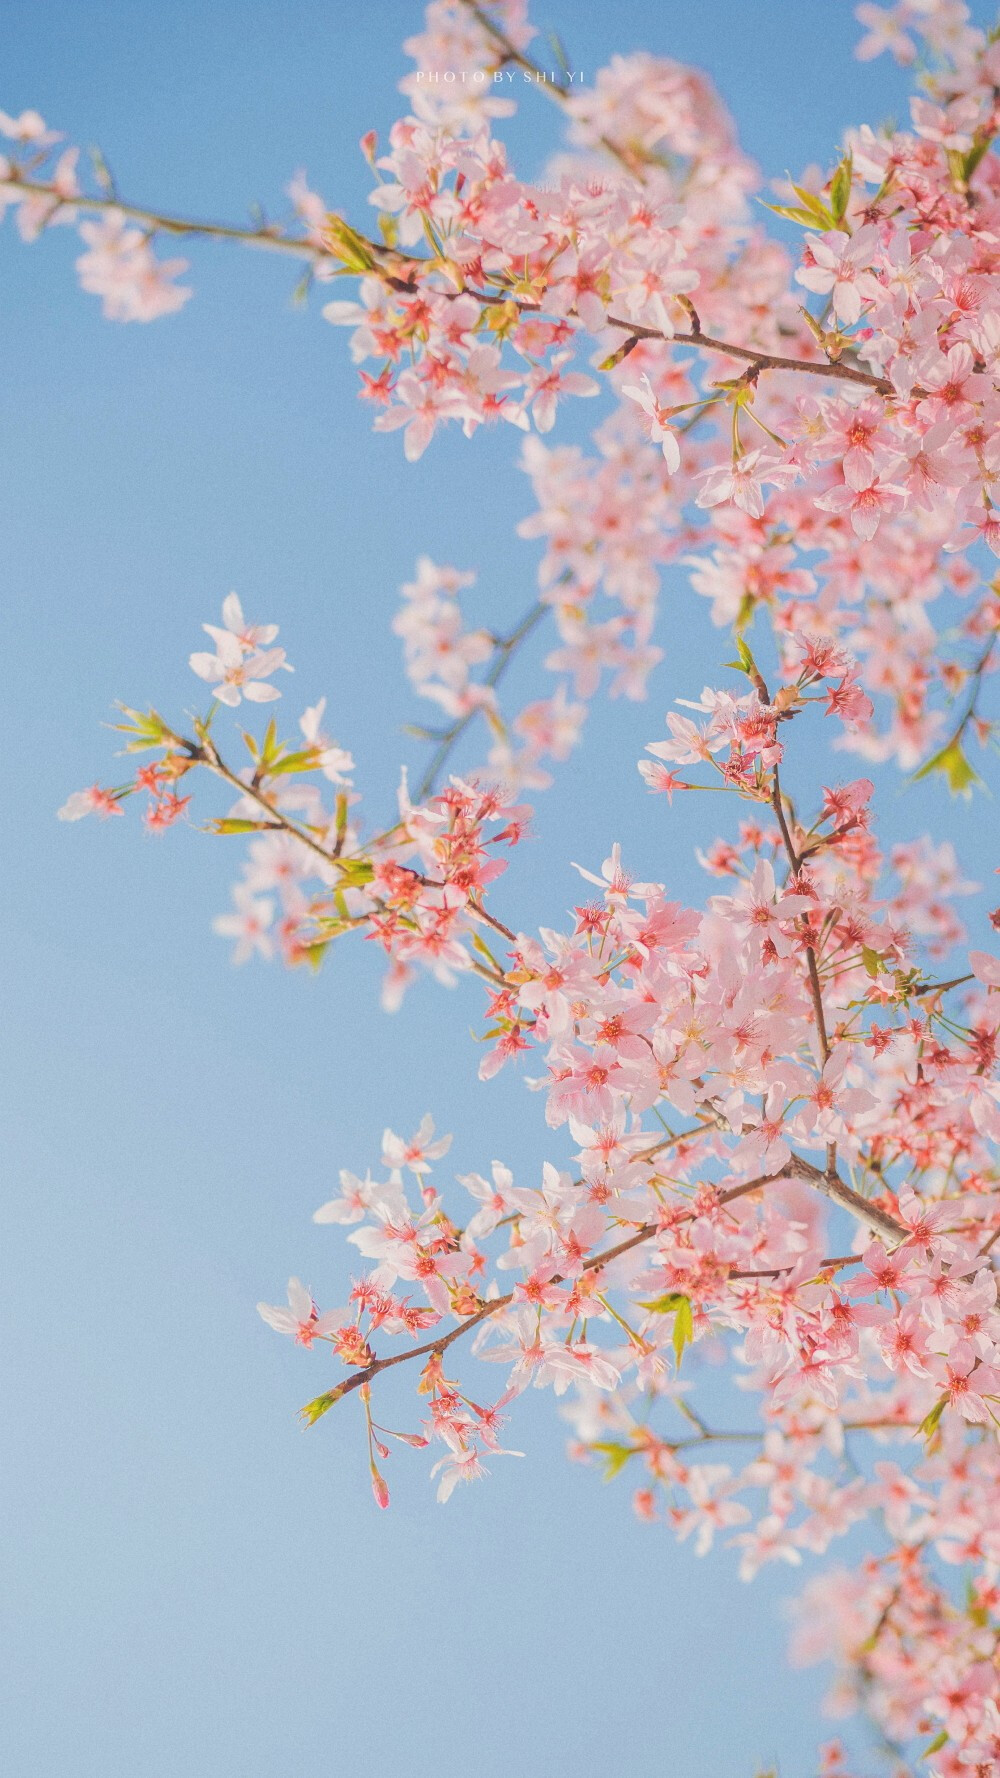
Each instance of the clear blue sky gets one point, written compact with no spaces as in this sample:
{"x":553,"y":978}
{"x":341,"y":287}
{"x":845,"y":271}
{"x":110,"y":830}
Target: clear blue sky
{"x":193,"y":1585}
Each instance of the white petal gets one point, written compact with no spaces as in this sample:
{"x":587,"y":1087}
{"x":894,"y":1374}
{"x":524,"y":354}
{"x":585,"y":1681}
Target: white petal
{"x":232,"y":613}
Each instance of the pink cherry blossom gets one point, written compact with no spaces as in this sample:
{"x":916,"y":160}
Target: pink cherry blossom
{"x":301,"y":1320}
{"x":93,"y":801}
{"x":660,"y":430}
{"x":240,"y":665}
{"x":866,"y":498}
{"x":839,"y":264}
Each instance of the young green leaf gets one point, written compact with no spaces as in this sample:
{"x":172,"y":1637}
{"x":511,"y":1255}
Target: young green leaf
{"x":233,"y":824}
{"x":615,"y":1457}
{"x":303,"y":761}
{"x":953,"y":765}
{"x":147,"y":729}
{"x":683,"y":1328}
{"x":664,"y":1305}
{"x":321,"y":1404}
{"x":840,"y":189}
{"x":930,"y":1422}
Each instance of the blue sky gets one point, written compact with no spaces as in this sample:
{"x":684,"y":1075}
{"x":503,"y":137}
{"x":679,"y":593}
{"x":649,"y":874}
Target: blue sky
{"x":193,"y":1585}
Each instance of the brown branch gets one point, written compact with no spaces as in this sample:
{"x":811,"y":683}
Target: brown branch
{"x":510,"y":53}
{"x":752,"y":355}
{"x":834,"y":1264}
{"x":476,"y":908}
{"x":208,"y":756}
{"x":493,"y":1307}
{"x":815,"y":988}
{"x":506,"y":647}
{"x":385,"y":259}
{"x":631,"y":159}
{"x":268,"y":237}
{"x":926,"y":989}
{"x":835,"y":1188}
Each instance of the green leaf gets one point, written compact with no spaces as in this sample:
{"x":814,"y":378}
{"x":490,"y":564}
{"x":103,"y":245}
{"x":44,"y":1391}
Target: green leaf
{"x":102,"y":172}
{"x":810,"y":211}
{"x":803,"y":217}
{"x":815,"y":205}
{"x":303,"y":761}
{"x":314,"y":1410}
{"x":347,"y":245}
{"x":500,"y":319}
{"x":302,"y":289}
{"x":664,"y":1305}
{"x":976,"y":1612}
{"x":744,"y":662}
{"x":615,"y":1457}
{"x":929,"y":1424}
{"x":871,"y":960}
{"x":936,"y":1745}
{"x":680,"y":1307}
{"x":748,"y":606}
{"x":616,"y":357}
{"x":316,"y":951}
{"x":389,"y":229}
{"x":147,"y":728}
{"x":355,"y":872}
{"x":233,"y":824}
{"x":683,"y":1328}
{"x":974,"y":156}
{"x":558,"y":50}
{"x":952,"y":764}
{"x":479,"y":944}
{"x":270,"y":748}
{"x":840,"y":189}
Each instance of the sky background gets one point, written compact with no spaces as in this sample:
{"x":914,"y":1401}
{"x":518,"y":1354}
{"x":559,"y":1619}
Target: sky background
{"x":193,"y":1585}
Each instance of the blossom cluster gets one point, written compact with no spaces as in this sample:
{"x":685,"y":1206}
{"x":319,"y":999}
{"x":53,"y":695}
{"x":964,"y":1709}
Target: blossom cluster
{"x":791,"y":1049}
{"x":803,"y":434}
{"x":709,"y":1231}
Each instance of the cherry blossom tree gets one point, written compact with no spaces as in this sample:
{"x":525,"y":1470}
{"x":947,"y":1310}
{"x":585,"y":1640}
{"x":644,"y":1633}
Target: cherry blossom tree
{"x":771,"y":1121}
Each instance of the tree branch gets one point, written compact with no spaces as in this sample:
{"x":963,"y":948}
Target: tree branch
{"x":385,"y":259}
{"x":493,"y":1307}
{"x":506,"y":648}
{"x":835,"y":1188}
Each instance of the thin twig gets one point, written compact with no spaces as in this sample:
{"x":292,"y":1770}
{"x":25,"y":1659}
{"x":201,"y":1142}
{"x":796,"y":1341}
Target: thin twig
{"x":506,"y":648}
{"x":208,"y":756}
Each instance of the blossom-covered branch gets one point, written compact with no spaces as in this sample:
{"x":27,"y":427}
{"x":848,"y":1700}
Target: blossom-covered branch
{"x":771,"y":1121}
